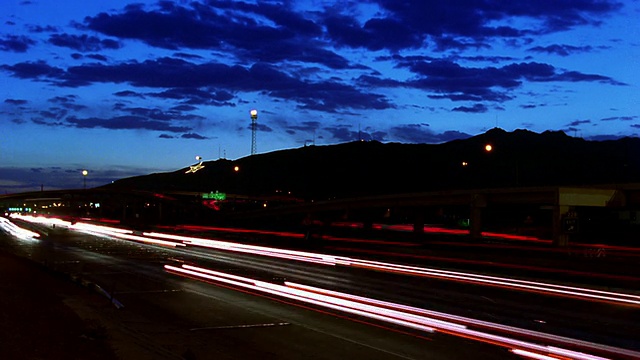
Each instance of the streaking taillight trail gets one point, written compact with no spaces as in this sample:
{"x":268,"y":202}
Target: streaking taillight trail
{"x":538,"y":345}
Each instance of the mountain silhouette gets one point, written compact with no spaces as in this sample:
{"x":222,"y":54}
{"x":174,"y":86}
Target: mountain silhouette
{"x":361,"y":168}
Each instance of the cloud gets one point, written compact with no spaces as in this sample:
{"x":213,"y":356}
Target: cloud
{"x":193,"y":136}
{"x":578,"y":122}
{"x":16,"y":43}
{"x":620,"y":118}
{"x":82,"y":43}
{"x":325,"y":95}
{"x":562,"y":50}
{"x":450,"y":80}
{"x":15,"y":101}
{"x":125,"y":122}
{"x":33,"y":70}
{"x":452,"y":25}
{"x":422,"y":134}
{"x":476,"y":108}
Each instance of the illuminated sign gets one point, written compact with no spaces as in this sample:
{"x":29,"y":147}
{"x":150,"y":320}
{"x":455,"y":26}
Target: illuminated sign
{"x":19,"y":209}
{"x":215,"y":196}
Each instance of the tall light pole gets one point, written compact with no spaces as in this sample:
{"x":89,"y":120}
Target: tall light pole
{"x":84,"y":178}
{"x":254,"y":127}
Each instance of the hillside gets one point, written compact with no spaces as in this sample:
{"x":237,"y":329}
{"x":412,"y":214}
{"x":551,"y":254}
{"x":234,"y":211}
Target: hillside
{"x":518,"y":158}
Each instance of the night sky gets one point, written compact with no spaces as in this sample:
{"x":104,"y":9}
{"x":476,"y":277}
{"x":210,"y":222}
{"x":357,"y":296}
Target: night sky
{"x":129,"y":88}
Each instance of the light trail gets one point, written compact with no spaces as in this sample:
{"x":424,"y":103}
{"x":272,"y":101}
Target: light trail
{"x":417,"y":318}
{"x":331,"y":260}
{"x":15,"y":230}
{"x":515,"y":284}
{"x":96,"y":229}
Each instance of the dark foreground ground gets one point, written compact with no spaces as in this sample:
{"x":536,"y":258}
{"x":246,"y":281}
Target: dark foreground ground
{"x":44,"y":315}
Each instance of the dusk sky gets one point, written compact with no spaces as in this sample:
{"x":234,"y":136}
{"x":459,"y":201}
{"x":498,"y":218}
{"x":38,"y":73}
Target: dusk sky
{"x":130,"y":88}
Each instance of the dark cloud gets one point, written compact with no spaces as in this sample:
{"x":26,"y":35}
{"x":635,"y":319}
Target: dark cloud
{"x":16,"y":43}
{"x":575,"y":76}
{"x":259,"y":38}
{"x":184,"y":108}
{"x":578,"y":122}
{"x":82,"y":43}
{"x":187,"y":56}
{"x":193,"y":136}
{"x":375,"y":34}
{"x":460,"y":24}
{"x":455,"y":82}
{"x":97,"y":57}
{"x":304,"y":126}
{"x":343,"y":133}
{"x":223,"y":25}
{"x":157,"y":114}
{"x":63,"y":99}
{"x":562,"y":50}
{"x":42,"y":29}
{"x":15,"y":101}
{"x":422,"y":134}
{"x":197,"y":97}
{"x":129,"y":93}
{"x":604,"y":137}
{"x":33,"y":70}
{"x":620,"y":118}
{"x":476,"y":108}
{"x":125,"y":122}
{"x":328,"y":95}
{"x":54,"y":113}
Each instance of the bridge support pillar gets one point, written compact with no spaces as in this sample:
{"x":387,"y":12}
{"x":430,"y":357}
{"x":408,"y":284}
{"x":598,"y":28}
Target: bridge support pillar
{"x":560,"y":238}
{"x":478,"y":203}
{"x":418,"y":224}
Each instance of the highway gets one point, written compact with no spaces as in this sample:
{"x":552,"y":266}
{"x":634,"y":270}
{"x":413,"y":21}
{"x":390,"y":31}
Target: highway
{"x":202,"y":297}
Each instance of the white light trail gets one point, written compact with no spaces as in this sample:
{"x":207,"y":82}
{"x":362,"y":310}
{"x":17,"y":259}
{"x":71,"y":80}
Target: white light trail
{"x":515,"y":284}
{"x":17,"y":231}
{"x":412,"y":317}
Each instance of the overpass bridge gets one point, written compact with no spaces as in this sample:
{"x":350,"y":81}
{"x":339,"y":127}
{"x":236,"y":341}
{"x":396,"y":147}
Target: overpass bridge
{"x":563,"y":213}
{"x":562,"y":207}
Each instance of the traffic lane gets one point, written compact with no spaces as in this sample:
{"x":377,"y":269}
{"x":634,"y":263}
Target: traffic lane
{"x":443,"y":298}
{"x":178,"y":320}
{"x":230,"y":321}
{"x":583,"y":266}
{"x":508,"y":311}
{"x":146,"y":254}
{"x":593,"y":321}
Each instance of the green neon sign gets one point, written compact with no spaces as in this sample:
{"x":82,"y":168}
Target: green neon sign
{"x":215,"y":196}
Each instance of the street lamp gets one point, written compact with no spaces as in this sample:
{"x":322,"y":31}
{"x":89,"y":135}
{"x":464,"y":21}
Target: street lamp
{"x":84,"y":178}
{"x":254,"y":127}
{"x":488,"y":148}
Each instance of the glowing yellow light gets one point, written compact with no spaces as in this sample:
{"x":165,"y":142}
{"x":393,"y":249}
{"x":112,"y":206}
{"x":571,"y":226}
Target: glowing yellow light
{"x":488,"y":147}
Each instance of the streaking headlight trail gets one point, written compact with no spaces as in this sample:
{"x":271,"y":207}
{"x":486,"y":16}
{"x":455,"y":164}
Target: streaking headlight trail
{"x":17,"y":231}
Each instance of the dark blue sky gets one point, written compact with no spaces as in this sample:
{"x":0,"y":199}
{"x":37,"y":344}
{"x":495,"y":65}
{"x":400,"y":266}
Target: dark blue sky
{"x":127,"y":88}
